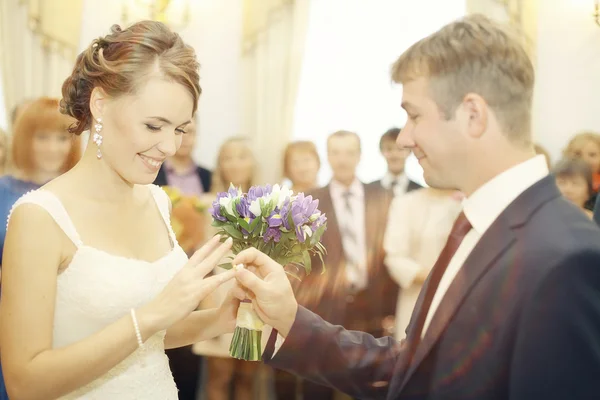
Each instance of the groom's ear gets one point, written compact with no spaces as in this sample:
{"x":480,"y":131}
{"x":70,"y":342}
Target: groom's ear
{"x":476,"y":113}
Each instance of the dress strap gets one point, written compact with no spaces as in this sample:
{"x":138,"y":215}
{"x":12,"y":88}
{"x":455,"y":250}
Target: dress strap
{"x":164,"y":206}
{"x":53,"y":206}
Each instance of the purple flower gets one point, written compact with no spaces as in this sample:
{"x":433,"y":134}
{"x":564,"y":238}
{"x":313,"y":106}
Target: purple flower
{"x":220,"y":195}
{"x":232,"y":192}
{"x":302,"y":209}
{"x":215,"y":211}
{"x":312,"y":207}
{"x":274,"y":220}
{"x":243,"y":208}
{"x":272,"y":233}
{"x":256,"y":192}
{"x":285,"y":213}
{"x":318,"y":222}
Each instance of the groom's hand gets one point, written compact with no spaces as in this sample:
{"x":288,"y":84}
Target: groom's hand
{"x":269,"y":288}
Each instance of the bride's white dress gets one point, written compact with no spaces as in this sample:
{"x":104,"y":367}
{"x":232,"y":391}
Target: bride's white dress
{"x":97,"y":289}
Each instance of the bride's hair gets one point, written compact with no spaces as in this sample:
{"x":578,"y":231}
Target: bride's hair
{"x":120,"y":60}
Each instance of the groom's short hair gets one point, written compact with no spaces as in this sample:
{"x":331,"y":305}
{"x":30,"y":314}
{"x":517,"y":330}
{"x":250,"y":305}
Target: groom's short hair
{"x":475,"y":55}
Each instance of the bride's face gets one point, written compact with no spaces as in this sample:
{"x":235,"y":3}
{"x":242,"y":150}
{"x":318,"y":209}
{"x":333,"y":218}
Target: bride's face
{"x":141,"y":130}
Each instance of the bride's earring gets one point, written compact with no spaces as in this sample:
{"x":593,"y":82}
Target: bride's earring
{"x":97,"y":136}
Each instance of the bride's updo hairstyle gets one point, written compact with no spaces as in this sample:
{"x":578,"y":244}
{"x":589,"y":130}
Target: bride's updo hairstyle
{"x":119,"y":62}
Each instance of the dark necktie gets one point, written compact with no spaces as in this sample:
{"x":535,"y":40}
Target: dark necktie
{"x":459,"y":230}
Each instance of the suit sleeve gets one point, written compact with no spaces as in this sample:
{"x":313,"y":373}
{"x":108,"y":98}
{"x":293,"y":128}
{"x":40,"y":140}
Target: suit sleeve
{"x":557,"y":351}
{"x":352,"y":362}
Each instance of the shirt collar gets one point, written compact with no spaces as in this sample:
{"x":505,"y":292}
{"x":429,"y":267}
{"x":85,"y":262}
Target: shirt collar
{"x":388,"y":179}
{"x":356,"y":188}
{"x":490,"y":200}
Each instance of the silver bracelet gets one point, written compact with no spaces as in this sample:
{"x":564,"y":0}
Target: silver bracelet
{"x":138,"y":334}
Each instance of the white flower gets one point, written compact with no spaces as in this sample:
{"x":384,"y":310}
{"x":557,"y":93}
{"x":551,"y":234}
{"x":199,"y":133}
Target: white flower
{"x":307,"y":231}
{"x":227,"y":203}
{"x":284,"y":193}
{"x":315,"y":216}
{"x":255,"y":208}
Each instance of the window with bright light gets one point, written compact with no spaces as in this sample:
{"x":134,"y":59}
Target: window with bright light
{"x":345,"y":81}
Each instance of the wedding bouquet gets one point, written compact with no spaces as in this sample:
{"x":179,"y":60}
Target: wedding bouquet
{"x":188,"y":219}
{"x":285,"y":226}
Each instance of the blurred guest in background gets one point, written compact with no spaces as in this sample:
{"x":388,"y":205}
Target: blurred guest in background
{"x":181,"y":171}
{"x":394,"y":180}
{"x":18,"y":110}
{"x":418,"y":226}
{"x":301,"y":164}
{"x":586,"y":145}
{"x":574,"y":180}
{"x":236,"y":164}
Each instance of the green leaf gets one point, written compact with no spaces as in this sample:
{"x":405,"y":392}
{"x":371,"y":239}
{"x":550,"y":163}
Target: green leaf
{"x":230,"y":218}
{"x":323,"y":269}
{"x":234,"y":233}
{"x":226,"y":265}
{"x":244,"y":224}
{"x":254,"y":224}
{"x":307,"y":262}
{"x":216,"y":223}
{"x":235,"y":201}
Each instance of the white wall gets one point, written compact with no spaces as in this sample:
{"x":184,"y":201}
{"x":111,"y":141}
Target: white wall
{"x":215,"y":32}
{"x":345,"y":80}
{"x":568,"y":73}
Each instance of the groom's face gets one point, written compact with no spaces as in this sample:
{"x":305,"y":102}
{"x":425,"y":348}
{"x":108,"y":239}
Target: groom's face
{"x":436,"y":140}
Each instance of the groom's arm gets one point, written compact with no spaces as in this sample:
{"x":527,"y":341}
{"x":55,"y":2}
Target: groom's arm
{"x":353,"y":362}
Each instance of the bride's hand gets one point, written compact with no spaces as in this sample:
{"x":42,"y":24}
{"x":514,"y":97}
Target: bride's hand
{"x":188,"y":287}
{"x":229,"y":308}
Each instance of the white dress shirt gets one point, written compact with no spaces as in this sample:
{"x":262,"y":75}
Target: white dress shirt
{"x":354,"y":221}
{"x":401,"y":180}
{"x":481,"y":209}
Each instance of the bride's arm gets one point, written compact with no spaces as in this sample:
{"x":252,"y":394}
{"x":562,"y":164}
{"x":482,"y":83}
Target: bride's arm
{"x":32,"y":368}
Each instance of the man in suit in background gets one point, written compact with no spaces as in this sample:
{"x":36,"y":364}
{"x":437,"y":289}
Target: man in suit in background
{"x":394,"y":180}
{"x":511,"y":309}
{"x":352,"y":291}
{"x":181,"y":172}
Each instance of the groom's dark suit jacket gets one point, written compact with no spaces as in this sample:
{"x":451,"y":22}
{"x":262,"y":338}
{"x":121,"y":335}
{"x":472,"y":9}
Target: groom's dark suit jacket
{"x":521,"y":320}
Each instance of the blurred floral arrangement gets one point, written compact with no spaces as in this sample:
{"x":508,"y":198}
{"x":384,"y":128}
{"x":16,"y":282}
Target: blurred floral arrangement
{"x":188,"y":219}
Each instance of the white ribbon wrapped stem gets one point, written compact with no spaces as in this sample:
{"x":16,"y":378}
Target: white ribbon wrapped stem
{"x":248,"y":318}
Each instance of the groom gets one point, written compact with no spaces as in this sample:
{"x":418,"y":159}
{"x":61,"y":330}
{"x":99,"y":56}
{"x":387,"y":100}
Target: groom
{"x":511,"y":309}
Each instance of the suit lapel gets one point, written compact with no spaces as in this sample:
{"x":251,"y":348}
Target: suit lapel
{"x":371,"y":210}
{"x":479,"y":261}
{"x":333,"y":228}
{"x":491,"y":247}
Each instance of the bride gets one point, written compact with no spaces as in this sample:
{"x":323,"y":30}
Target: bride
{"x":94,"y":284}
